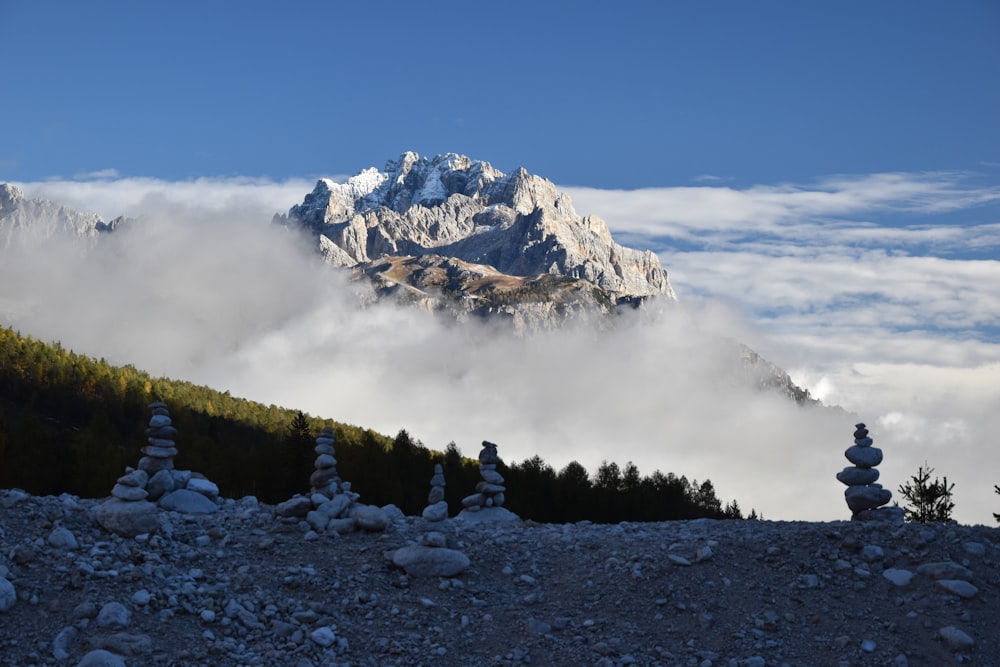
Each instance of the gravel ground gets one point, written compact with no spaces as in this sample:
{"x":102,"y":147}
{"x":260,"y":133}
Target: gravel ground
{"x":242,"y":587}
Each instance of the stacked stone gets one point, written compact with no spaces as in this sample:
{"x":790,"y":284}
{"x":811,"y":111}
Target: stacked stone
{"x":158,"y":459}
{"x":864,"y":496}
{"x":490,"y":491}
{"x":431,"y":555}
{"x":325,"y":480}
{"x":331,"y":506}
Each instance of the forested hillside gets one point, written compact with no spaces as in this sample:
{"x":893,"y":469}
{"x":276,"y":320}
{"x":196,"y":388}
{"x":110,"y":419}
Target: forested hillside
{"x":70,"y":423}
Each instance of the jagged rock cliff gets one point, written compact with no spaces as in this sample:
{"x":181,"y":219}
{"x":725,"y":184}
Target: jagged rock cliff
{"x":453,"y":209}
{"x":42,"y":219}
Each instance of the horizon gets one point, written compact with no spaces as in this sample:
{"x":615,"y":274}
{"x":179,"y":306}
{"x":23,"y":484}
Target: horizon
{"x":822,"y":181}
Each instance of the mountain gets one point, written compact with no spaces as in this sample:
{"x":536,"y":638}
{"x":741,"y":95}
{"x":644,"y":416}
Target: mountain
{"x":43,"y":219}
{"x":454,"y":233}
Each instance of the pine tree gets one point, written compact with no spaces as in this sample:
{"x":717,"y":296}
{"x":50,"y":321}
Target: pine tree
{"x":928,"y":500}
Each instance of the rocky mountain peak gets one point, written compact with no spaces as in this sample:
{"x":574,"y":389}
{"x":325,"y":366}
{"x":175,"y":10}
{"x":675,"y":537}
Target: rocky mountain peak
{"x":40,"y":219}
{"x":454,"y":206}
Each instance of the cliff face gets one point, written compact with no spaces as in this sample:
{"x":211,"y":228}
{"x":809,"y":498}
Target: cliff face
{"x":37,"y":219}
{"x":452,"y":207}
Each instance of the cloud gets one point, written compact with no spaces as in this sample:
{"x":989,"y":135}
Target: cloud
{"x":205,"y":289}
{"x":110,"y":197}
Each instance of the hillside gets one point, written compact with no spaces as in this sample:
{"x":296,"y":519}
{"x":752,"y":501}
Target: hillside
{"x":240,"y":587}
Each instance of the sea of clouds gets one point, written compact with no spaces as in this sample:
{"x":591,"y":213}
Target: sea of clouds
{"x":893,"y":321}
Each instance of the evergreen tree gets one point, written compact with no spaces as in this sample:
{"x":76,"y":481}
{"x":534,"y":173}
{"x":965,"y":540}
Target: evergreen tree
{"x":928,"y":500}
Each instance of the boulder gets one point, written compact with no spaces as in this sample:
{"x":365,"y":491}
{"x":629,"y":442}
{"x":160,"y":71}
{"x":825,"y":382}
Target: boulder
{"x":127,"y":519}
{"x":370,"y":518}
{"x":186,"y":501}
{"x":423,"y":561}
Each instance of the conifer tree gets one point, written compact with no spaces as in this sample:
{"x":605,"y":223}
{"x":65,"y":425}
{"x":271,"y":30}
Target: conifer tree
{"x":928,"y":500}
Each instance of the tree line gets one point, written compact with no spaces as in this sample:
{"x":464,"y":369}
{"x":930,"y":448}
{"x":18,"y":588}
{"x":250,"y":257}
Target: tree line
{"x":70,"y":423}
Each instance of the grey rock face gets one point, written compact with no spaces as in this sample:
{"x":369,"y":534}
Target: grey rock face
{"x":456,"y":207}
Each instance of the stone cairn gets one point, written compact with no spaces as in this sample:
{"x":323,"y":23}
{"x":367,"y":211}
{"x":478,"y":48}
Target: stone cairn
{"x":490,"y":491}
{"x":431,"y":556}
{"x":864,"y":496}
{"x":331,"y":506}
{"x":131,"y":510}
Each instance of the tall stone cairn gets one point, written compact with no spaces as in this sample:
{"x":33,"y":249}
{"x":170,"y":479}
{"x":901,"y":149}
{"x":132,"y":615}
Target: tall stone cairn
{"x":864,"y":496}
{"x":490,"y":491}
{"x":325,"y":480}
{"x":158,"y":456}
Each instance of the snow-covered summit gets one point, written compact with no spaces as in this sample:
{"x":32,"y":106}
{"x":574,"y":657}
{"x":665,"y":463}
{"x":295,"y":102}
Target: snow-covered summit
{"x":454,"y":206}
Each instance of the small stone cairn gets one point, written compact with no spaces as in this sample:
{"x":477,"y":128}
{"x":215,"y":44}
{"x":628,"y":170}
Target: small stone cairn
{"x":131,"y":510}
{"x":489,"y":497}
{"x":864,"y":496}
{"x":331,"y":506}
{"x":431,"y":555}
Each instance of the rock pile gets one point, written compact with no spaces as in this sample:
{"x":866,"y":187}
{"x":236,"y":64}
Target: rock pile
{"x":331,"y":507}
{"x":431,"y":556}
{"x":131,"y":510}
{"x":864,"y":496}
{"x":489,"y":496}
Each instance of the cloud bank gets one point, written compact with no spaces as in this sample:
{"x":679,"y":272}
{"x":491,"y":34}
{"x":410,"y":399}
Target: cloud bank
{"x":204,"y":289}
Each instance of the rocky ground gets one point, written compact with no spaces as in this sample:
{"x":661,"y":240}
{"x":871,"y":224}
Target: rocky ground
{"x":240,"y":587}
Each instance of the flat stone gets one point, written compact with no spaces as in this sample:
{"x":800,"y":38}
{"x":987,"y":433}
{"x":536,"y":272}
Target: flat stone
{"x":898,"y":576}
{"x":866,"y":457}
{"x":153,"y":465}
{"x":491,"y":476}
{"x":945,"y":570}
{"x":203,"y":486}
{"x":490,"y":489}
{"x":863,"y":442}
{"x":127,"y":519}
{"x":959,"y":587}
{"x":128,"y":493}
{"x":186,"y":501}
{"x":156,"y":421}
{"x":866,"y":497}
{"x":101,"y":658}
{"x":423,"y":561}
{"x":134,"y":478}
{"x":488,"y":515}
{"x":324,"y":461}
{"x":163,"y":432}
{"x":854,"y":476}
{"x":955,"y":638}
{"x":324,"y":449}
{"x":159,"y":452}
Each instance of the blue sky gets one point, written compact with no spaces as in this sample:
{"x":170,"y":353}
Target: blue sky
{"x":610,"y":95}
{"x":821,"y":178}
